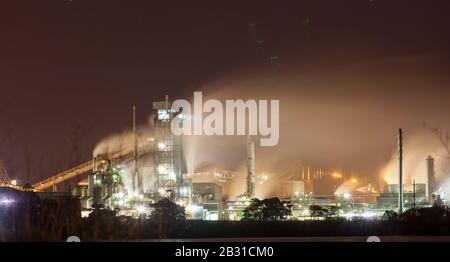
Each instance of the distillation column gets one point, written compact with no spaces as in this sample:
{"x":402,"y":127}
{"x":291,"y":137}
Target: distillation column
{"x":250,"y":168}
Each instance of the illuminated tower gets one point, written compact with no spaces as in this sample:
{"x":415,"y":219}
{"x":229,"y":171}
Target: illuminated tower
{"x":168,"y":163}
{"x":250,"y":168}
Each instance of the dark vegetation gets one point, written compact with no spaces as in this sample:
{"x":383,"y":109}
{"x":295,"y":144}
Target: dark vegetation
{"x":269,"y":209}
{"x":55,"y":220}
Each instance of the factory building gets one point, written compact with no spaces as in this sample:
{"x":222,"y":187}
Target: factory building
{"x":233,"y":209}
{"x":417,"y":197}
{"x":317,"y":181}
{"x":289,"y":189}
{"x":209,"y":197}
{"x":159,"y":160}
{"x":421,"y":194}
{"x":101,"y":188}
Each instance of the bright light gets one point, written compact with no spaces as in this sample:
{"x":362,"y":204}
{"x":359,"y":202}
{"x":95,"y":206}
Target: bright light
{"x":162,"y":169}
{"x":140,"y":209}
{"x":336,"y":175}
{"x":14,"y":182}
{"x":193,"y":208}
{"x":85,"y":213}
{"x":163,"y":114}
{"x":347,"y":195}
{"x":161,"y":146}
{"x":135,"y":194}
{"x":214,"y":216}
{"x":368,"y":215}
{"x":263,"y":179}
{"x":184,"y":191}
{"x":195,"y":211}
{"x":354,"y":180}
{"x":6,"y":201}
{"x":349,"y":216}
{"x":172,"y":176}
{"x":120,"y":195}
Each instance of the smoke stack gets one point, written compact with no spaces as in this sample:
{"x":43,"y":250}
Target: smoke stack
{"x":431,"y":178}
{"x":135,"y":178}
{"x":250,"y":168}
{"x":400,"y":170}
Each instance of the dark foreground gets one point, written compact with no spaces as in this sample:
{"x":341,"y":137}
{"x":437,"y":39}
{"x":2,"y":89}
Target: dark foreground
{"x":148,"y":230}
{"x":312,"y":239}
{"x":30,"y":218}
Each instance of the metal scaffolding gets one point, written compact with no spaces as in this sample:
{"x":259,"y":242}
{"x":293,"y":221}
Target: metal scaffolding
{"x":168,"y":160}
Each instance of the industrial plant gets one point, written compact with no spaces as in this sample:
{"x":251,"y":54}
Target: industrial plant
{"x":130,"y":179}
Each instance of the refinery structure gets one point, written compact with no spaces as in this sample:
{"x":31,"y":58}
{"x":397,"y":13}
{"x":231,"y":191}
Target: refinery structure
{"x":130,"y":179}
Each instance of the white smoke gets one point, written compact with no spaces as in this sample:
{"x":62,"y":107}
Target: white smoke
{"x":124,"y":141}
{"x":417,"y":147}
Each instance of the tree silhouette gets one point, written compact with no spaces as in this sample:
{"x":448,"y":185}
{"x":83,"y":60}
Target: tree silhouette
{"x":167,"y":215}
{"x":390,"y":215}
{"x":318,"y":211}
{"x":432,"y":214}
{"x":270,"y":209}
{"x":167,"y":210}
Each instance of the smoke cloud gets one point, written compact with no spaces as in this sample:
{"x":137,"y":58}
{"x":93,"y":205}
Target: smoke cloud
{"x":332,"y":116}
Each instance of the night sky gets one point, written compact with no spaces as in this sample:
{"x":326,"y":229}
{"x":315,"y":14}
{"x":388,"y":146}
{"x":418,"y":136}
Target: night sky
{"x":67,"y":63}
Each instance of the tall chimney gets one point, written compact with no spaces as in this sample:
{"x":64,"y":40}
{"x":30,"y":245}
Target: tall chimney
{"x":400,"y":170}
{"x":250,"y":168}
{"x":135,"y":181}
{"x":431,"y":178}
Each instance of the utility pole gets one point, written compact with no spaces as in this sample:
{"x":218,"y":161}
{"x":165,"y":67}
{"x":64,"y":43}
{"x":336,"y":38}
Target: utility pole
{"x":400,"y":170}
{"x":135,"y":179}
